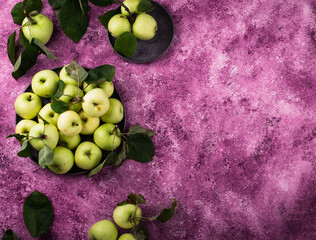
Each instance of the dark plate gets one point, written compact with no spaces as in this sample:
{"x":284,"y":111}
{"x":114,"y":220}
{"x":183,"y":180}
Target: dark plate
{"x":154,"y":48}
{"x":75,"y":170}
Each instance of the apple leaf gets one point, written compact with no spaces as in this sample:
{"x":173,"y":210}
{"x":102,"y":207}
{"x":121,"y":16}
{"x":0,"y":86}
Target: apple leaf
{"x":58,"y":106}
{"x":139,"y":129}
{"x":101,"y":74}
{"x":44,"y":121}
{"x":73,"y":23}
{"x":140,"y":233}
{"x":22,"y":39}
{"x":145,"y":6}
{"x":17,"y":13}
{"x":45,"y":156}
{"x":122,"y":155}
{"x":109,"y":160}
{"x":9,"y":235}
{"x":166,"y":214}
{"x":37,"y":213}
{"x":18,"y":136}
{"x":43,"y":49}
{"x":75,"y":71}
{"x":105,"y":18}
{"x":60,"y":89}
{"x":133,"y":199}
{"x":126,"y":44}
{"x":32,"y":5}
{"x":11,"y":48}
{"x":56,"y":3}
{"x":140,"y":148}
{"x":102,"y":3}
{"x":23,"y":9}
{"x":26,"y":149}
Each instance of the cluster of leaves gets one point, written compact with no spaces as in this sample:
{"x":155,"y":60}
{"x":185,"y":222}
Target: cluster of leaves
{"x":37,"y":214}
{"x":32,"y":49}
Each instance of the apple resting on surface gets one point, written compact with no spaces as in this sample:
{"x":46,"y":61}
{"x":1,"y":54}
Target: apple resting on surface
{"x":45,"y":83}
{"x":48,"y":114}
{"x":144,"y":27}
{"x":63,"y":160}
{"x":44,"y":134}
{"x":115,"y":113}
{"x":87,"y":155}
{"x":69,"y":142}
{"x":131,"y":5}
{"x":89,"y":124}
{"x":122,"y":215}
{"x":69,"y":123}
{"x":95,"y":103}
{"x":70,"y":96}
{"x":27,"y":105}
{"x":118,"y":24}
{"x":106,"y":138}
{"x":41,"y":28}
{"x":127,"y":236}
{"x":108,"y":87}
{"x":24,"y":126}
{"x":103,"y":230}
{"x":63,"y":75}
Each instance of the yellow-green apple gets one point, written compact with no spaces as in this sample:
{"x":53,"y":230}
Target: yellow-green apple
{"x":95,"y":103}
{"x":72,"y":95}
{"x":27,"y":105}
{"x":127,"y":236}
{"x":103,"y":230}
{"x":127,"y":215}
{"x":63,"y":160}
{"x":87,"y":155}
{"x":24,"y":126}
{"x":41,"y":134}
{"x":89,"y":124}
{"x":69,"y":142}
{"x":40,"y":27}
{"x":48,"y":114}
{"x":63,"y":75}
{"x":45,"y":83}
{"x":106,"y":137}
{"x":69,"y":123}
{"x":131,"y":5}
{"x":118,"y":24}
{"x":144,"y":27}
{"x":115,"y":113}
{"x":108,"y":87}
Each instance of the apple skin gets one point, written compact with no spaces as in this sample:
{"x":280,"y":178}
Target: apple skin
{"x":115,"y":113}
{"x":127,"y":236}
{"x":68,"y":80}
{"x":48,"y":114}
{"x":103,"y":230}
{"x":69,"y":123}
{"x":71,"y":92}
{"x":108,"y":87}
{"x":42,"y":30}
{"x":24,"y":126}
{"x":144,"y":27}
{"x":50,"y":133}
{"x":122,"y":215}
{"x":63,"y":160}
{"x":89,"y":124}
{"x":118,"y":24}
{"x":45,"y":83}
{"x":95,"y":103}
{"x":87,"y":155}
{"x":27,"y":105}
{"x":69,"y":142}
{"x":131,"y":5}
{"x":104,"y":135}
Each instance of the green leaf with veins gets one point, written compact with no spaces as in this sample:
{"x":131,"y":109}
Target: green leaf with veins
{"x":75,"y":71}
{"x":140,"y":233}
{"x":45,"y":156}
{"x":26,"y":149}
{"x":18,"y":136}
{"x":56,"y":3}
{"x":9,"y":235}
{"x":145,"y":6}
{"x":44,"y":49}
{"x":109,"y":160}
{"x":17,"y":13}
{"x":126,"y":44}
{"x":166,"y":214}
{"x":23,"y":9}
{"x":140,"y":147}
{"x":101,"y":74}
{"x":58,"y":106}
{"x":133,"y":199}
{"x":140,"y":129}
{"x":32,"y":5}
{"x":11,"y":47}
{"x":22,"y":39}
{"x":102,"y":3}
{"x":60,"y":89}
{"x":122,"y":155}
{"x":105,"y":18}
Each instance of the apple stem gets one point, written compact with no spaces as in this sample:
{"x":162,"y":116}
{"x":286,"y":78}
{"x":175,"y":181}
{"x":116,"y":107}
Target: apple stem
{"x":127,"y":10}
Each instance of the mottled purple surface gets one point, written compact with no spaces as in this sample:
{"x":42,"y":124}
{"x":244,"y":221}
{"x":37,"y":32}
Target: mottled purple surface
{"x":233,"y":102}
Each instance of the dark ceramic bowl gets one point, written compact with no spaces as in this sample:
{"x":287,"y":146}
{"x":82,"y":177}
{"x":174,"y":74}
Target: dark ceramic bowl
{"x":75,"y":170}
{"x":154,"y":48}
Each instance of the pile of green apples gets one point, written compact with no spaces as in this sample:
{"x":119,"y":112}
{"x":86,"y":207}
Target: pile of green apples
{"x":90,"y":111}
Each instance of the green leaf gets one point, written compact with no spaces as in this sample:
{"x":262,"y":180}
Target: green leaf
{"x":140,"y":233}
{"x":58,"y":106}
{"x":105,"y":18}
{"x":45,"y":156}
{"x":56,"y":3}
{"x":60,"y":89}
{"x":139,"y":129}
{"x":126,"y":44}
{"x":167,"y":213}
{"x":9,"y":235}
{"x":44,"y":49}
{"x":75,"y":71}
{"x":122,"y":155}
{"x":17,"y":13}
{"x":73,"y":23}
{"x":44,"y":121}
{"x":11,"y":48}
{"x":22,"y":39}
{"x":140,"y":148}
{"x":102,"y":3}
{"x":37,"y":213}
{"x":109,"y":160}
{"x":145,"y":6}
{"x":18,"y":136}
{"x":133,"y":199}
{"x":26,"y":149}
{"x":101,"y":74}
{"x":32,"y":5}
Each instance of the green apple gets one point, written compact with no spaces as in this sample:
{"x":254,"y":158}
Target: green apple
{"x":45,"y":83}
{"x":127,"y":236}
{"x":41,"y":134}
{"x":115,"y":113}
{"x":118,"y":24}
{"x":63,"y":75}
{"x":144,"y":27}
{"x":108,"y":87}
{"x":41,"y":28}
{"x":103,"y":230}
{"x":89,"y":124}
{"x":131,"y":5}
{"x":63,"y":160}
{"x":87,"y":155}
{"x":72,"y":95}
{"x":69,"y":142}
{"x":95,"y":103}
{"x":69,"y":123}
{"x":24,"y":126}
{"x":123,"y":215}
{"x":27,"y":105}
{"x":48,"y":114}
{"x":106,"y":137}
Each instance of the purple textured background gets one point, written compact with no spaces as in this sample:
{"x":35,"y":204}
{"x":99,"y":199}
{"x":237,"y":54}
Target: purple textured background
{"x":233,"y":103}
